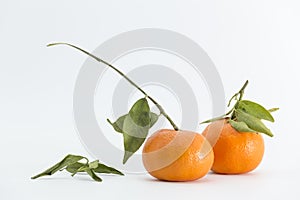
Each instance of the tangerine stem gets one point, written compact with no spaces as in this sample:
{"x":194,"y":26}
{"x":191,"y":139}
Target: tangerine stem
{"x":241,"y":92}
{"x":162,"y":111}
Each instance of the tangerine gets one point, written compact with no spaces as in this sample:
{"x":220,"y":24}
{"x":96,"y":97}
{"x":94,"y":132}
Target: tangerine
{"x":177,"y":155}
{"x":234,"y":152}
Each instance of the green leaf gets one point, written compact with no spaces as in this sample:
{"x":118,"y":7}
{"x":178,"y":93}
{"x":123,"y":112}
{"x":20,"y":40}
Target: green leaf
{"x":135,"y":128}
{"x":214,"y":119}
{"x":140,"y":113}
{"x":68,"y":160}
{"x":101,"y":168}
{"x":252,"y":122}
{"x":240,"y":126}
{"x":273,"y":109}
{"x":255,"y":110}
{"x":73,"y":168}
{"x":81,"y":169}
{"x":92,"y":174}
{"x":94,"y":164}
{"x":118,"y":124}
{"x":107,"y":170}
{"x":132,"y":144}
{"x":153,"y":118}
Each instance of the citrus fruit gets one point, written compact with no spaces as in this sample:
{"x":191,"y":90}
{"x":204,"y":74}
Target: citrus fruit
{"x":234,"y":152}
{"x":177,"y":155}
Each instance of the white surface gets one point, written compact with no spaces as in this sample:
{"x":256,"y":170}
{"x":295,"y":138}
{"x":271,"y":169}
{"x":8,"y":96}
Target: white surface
{"x":256,"y":40}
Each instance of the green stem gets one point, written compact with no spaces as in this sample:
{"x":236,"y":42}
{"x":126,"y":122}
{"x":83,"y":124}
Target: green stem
{"x":162,"y":111}
{"x":242,"y":90}
{"x":240,"y":93}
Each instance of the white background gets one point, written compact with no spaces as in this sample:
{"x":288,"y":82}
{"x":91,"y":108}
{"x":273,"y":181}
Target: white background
{"x":256,"y":40}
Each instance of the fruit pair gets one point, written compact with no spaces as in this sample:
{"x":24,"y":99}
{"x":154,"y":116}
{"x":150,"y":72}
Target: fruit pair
{"x":185,"y":156}
{"x":231,"y":144}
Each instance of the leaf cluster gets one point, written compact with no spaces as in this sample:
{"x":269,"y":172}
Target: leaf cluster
{"x":72,"y":164}
{"x":247,"y":116}
{"x":134,"y":126}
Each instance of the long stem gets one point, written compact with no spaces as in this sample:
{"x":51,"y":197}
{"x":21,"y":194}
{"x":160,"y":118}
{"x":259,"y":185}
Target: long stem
{"x":162,"y":111}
